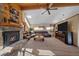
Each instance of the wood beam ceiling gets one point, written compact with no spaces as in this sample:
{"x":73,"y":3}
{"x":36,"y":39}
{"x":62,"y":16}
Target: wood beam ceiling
{"x":32,"y":6}
{"x":27,"y":6}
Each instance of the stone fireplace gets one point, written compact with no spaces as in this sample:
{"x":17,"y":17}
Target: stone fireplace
{"x":9,"y":35}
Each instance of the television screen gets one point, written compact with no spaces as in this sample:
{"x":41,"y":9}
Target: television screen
{"x":63,"y":26}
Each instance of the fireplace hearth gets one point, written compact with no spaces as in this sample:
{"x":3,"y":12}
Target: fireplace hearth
{"x":10,"y":37}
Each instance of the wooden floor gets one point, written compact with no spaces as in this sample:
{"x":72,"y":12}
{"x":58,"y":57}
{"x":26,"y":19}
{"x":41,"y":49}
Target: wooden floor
{"x":50,"y":47}
{"x":53,"y":45}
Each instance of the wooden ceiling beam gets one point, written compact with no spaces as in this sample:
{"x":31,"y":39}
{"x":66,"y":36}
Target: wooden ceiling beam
{"x":33,"y":6}
{"x":28,"y":6}
{"x":64,"y":4}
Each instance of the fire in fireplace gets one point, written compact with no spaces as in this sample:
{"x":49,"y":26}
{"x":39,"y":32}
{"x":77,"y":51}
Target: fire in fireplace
{"x":10,"y":37}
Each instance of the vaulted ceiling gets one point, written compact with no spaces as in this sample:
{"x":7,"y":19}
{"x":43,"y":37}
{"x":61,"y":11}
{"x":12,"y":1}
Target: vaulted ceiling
{"x":62,"y":13}
{"x":34,"y":10}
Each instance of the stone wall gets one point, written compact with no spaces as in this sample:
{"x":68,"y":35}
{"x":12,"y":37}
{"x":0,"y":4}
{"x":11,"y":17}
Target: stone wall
{"x":2,"y":29}
{"x":1,"y":40}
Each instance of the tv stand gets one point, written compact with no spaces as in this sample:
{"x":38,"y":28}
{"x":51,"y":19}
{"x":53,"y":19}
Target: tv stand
{"x":66,"y":37}
{"x":60,"y":35}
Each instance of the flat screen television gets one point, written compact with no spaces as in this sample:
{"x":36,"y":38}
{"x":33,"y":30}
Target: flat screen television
{"x":63,"y":26}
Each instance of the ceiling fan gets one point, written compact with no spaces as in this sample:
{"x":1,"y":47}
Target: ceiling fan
{"x":49,"y":7}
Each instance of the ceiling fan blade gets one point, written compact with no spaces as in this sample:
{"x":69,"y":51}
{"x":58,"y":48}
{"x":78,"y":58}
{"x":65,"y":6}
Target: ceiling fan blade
{"x":48,"y":12}
{"x":50,"y":5}
{"x":44,"y":12}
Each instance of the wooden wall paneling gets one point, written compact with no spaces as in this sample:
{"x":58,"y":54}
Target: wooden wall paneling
{"x":17,"y":7}
{"x":6,"y":14}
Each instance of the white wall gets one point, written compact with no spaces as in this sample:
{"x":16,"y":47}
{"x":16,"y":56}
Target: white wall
{"x":73,"y":26}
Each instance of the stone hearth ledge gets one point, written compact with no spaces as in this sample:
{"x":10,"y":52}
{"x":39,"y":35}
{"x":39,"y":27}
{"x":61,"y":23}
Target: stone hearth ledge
{"x":17,"y":45}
